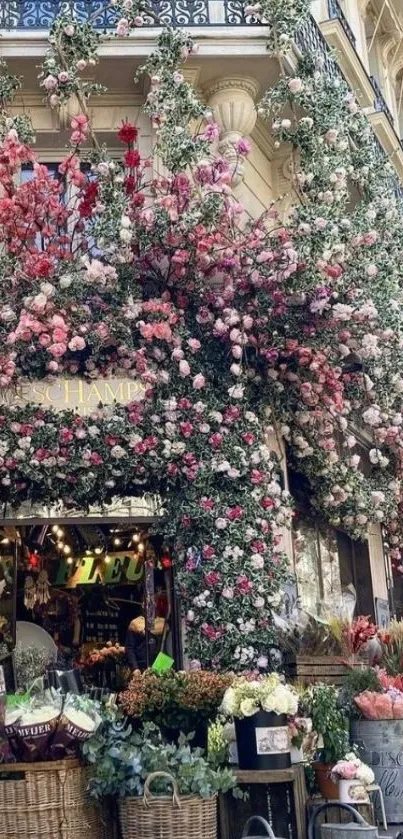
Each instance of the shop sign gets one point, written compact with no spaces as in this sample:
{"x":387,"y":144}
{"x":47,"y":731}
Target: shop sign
{"x":120,"y":568}
{"x":69,"y":394}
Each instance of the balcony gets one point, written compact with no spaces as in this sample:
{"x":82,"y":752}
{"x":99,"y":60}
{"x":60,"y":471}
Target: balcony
{"x":34,"y":15}
{"x":380,"y":105}
{"x":340,"y":37}
{"x":336,"y":13}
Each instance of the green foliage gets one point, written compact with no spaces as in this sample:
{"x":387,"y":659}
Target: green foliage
{"x":328,"y":721}
{"x":122,"y":759}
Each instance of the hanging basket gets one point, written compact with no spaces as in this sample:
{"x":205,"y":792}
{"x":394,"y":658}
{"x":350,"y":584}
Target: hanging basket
{"x":49,"y":801}
{"x":166,"y":817}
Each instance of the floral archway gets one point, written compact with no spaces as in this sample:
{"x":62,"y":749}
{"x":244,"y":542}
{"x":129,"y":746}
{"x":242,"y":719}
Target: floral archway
{"x":235,"y":327}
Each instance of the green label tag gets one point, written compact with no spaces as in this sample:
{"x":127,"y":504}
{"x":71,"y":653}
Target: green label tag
{"x":162,"y":662}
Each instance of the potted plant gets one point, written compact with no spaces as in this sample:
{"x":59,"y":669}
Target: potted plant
{"x":178,"y":702}
{"x":260,"y":708}
{"x":353,"y":777}
{"x":132,"y":766}
{"x":331,"y":725}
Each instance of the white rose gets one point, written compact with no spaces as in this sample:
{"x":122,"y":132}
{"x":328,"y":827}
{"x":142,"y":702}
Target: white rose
{"x":248,"y":708}
{"x":228,"y":703}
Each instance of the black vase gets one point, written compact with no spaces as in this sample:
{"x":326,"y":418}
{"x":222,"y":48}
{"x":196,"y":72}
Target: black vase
{"x":263,"y":741}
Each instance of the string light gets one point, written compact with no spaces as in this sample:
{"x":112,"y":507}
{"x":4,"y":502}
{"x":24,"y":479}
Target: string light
{"x":98,"y":551}
{"x":70,"y":560}
{"x":88,"y":552}
{"x":117,"y":541}
{"x":107,"y":559}
{"x":5,"y":541}
{"x":66,"y":549}
{"x":60,"y":532}
{"x":135,"y":537}
{"x":60,"y":546}
{"x":140,"y":547}
{"x":55,"y":528}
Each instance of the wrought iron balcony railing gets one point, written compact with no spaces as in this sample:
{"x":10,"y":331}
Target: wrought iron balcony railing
{"x":379,"y":102}
{"x":336,"y":13}
{"x":40,"y":14}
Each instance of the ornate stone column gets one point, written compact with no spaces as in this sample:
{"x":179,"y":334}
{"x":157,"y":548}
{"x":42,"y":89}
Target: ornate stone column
{"x":232,"y":102}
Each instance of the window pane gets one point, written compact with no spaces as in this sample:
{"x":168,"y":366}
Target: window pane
{"x":307,"y":564}
{"x":330,"y":568}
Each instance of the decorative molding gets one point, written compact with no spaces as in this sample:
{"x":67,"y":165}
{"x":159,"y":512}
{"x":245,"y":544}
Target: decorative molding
{"x":246,"y":83}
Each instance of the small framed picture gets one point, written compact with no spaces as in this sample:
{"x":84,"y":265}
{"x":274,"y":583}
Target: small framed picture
{"x":382,"y":613}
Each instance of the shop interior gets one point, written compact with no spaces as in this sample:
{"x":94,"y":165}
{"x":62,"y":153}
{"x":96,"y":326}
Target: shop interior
{"x":77,"y":587}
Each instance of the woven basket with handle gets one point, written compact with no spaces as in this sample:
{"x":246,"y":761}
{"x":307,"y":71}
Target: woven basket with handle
{"x":49,"y":801}
{"x":168,"y":817}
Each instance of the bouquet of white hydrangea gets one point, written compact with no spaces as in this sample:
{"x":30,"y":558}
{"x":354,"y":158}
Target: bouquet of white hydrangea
{"x":269,"y":693}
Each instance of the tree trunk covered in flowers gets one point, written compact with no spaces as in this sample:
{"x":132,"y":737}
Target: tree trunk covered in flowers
{"x":232,"y":326}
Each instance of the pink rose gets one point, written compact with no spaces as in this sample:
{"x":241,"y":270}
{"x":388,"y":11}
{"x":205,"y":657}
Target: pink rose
{"x":57,"y":350}
{"x":76,"y":343}
{"x":184,"y":369}
{"x":50,"y":83}
{"x":199,"y":382}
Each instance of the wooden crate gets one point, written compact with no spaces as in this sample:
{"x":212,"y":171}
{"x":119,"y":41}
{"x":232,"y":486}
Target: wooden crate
{"x":279,"y":796}
{"x":308,"y":670}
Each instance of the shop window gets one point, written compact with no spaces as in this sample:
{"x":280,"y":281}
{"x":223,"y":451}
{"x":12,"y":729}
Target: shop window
{"x":327,"y":561}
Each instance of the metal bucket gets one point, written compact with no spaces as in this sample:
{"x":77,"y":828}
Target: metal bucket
{"x":380,"y":744}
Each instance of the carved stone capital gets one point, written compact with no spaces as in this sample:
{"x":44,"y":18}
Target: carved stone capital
{"x":232,"y":102}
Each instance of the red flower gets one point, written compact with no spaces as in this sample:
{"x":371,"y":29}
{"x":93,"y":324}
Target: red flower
{"x":132,"y":158}
{"x":128,"y":133}
{"x":234,"y":513}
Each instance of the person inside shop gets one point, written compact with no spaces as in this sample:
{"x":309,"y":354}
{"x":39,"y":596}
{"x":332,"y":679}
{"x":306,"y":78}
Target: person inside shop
{"x":141,"y":651}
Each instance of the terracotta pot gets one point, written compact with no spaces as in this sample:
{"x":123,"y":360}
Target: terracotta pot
{"x":327,"y":788}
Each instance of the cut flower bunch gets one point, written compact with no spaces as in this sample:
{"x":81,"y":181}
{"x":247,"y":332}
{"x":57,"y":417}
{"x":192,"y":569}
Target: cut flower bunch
{"x":246,"y":697}
{"x":352,"y":768}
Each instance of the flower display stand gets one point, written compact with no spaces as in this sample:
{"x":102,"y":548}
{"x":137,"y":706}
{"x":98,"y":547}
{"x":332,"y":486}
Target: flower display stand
{"x":49,"y":801}
{"x":278,"y":795}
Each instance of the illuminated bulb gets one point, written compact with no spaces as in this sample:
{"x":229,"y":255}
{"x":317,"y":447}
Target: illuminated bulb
{"x":117,"y":541}
{"x":60,"y":546}
{"x":88,"y":552}
{"x":140,"y":547}
{"x":5,"y":541}
{"x":136,"y":537}
{"x":98,"y":551}
{"x":60,"y":532}
{"x":70,"y":560}
{"x":67,"y":549}
{"x":55,"y":528}
{"x":107,"y":559}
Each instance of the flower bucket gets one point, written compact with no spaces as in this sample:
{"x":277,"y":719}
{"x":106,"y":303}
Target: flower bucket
{"x":263,"y":741}
{"x":352,"y":792}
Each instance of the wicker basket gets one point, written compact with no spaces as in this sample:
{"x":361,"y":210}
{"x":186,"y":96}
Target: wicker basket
{"x":48,"y":801}
{"x":162,"y":817}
